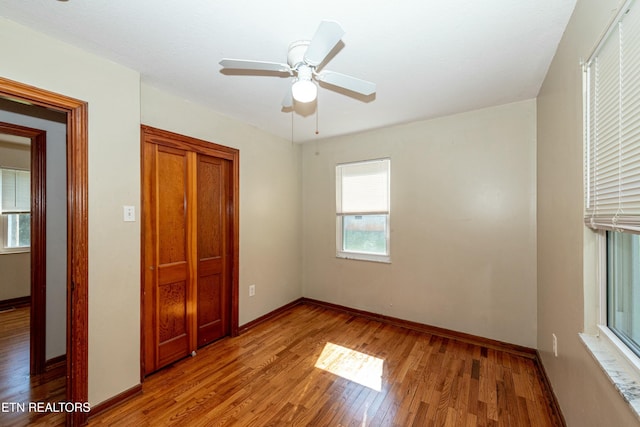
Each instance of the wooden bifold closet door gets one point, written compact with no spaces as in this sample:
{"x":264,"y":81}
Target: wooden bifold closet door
{"x":212,"y":275}
{"x":188,"y":247}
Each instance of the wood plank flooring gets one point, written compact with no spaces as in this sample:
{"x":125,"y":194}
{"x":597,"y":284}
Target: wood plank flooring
{"x":16,"y":385}
{"x":369,"y":374}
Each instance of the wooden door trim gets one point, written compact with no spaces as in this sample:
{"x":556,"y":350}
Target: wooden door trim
{"x":77,"y":232}
{"x":37,"y":336}
{"x":182,"y":142}
{"x":37,"y":315}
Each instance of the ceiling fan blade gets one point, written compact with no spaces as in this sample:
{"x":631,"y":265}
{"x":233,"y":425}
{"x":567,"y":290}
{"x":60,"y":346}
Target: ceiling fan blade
{"x":246,"y":64}
{"x":347,"y":82}
{"x":326,"y":38}
{"x":287,"y":101}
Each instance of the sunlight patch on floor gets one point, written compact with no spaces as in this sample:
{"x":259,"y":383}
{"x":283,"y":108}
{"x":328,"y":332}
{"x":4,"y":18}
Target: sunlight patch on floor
{"x":352,"y":365}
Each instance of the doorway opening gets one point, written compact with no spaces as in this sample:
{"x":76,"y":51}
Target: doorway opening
{"x":76,"y":234}
{"x":34,"y":225}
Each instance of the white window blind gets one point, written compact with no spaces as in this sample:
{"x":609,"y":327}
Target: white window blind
{"x":612,"y":127}
{"x":364,"y":187}
{"x":16,"y":191}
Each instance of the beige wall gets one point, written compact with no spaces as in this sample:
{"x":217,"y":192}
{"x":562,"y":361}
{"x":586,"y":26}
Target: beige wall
{"x":15,"y":269}
{"x":14,"y":155}
{"x":270,"y":197}
{"x":463,"y":244}
{"x":113,"y":95}
{"x":585,"y":395}
{"x":16,"y":275}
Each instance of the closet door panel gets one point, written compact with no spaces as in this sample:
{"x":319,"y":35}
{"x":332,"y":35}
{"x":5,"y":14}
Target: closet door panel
{"x":209,"y":310}
{"x":172,"y":255}
{"x":213,"y":294}
{"x":172,"y":322}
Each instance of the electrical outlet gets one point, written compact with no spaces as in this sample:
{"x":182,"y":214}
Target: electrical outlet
{"x":252,"y":290}
{"x":555,"y":345}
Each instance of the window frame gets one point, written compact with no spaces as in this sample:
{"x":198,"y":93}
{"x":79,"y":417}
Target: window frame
{"x":622,"y":251}
{"x":4,"y":219}
{"x":361,"y":255}
{"x":5,"y":248}
{"x":605,"y":332}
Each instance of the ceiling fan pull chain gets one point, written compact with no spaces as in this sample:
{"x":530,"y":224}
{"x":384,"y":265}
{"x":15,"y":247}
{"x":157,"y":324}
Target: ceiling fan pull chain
{"x":317,"y":108}
{"x":292,"y":110}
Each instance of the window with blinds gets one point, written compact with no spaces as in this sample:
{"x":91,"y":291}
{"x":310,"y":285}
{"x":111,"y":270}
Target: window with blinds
{"x":362,"y":210}
{"x":15,"y":209}
{"x":16,"y":190}
{"x":612,"y":171}
{"x":612,"y":127}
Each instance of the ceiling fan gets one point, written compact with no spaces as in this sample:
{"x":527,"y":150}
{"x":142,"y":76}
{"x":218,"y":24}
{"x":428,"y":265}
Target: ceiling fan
{"x":303,"y":61}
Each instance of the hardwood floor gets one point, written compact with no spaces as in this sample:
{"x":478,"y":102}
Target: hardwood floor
{"x":319,"y":367}
{"x":16,"y":385}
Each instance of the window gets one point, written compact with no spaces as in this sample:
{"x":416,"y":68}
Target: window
{"x":612,"y":171}
{"x":623,"y":287}
{"x":362,"y":210}
{"x":15,"y":206}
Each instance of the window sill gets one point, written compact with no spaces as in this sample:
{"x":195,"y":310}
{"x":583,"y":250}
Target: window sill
{"x":15,"y":251}
{"x":621,"y":372}
{"x":385,"y":259}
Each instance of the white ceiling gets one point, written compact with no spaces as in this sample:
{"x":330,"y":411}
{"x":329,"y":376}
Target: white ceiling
{"x":428,"y":58}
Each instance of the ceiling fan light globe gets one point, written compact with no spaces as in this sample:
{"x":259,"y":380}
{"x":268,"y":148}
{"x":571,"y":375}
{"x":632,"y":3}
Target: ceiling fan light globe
{"x":304,"y":91}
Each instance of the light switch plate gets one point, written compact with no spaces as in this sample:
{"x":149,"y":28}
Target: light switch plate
{"x":129,"y":213}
